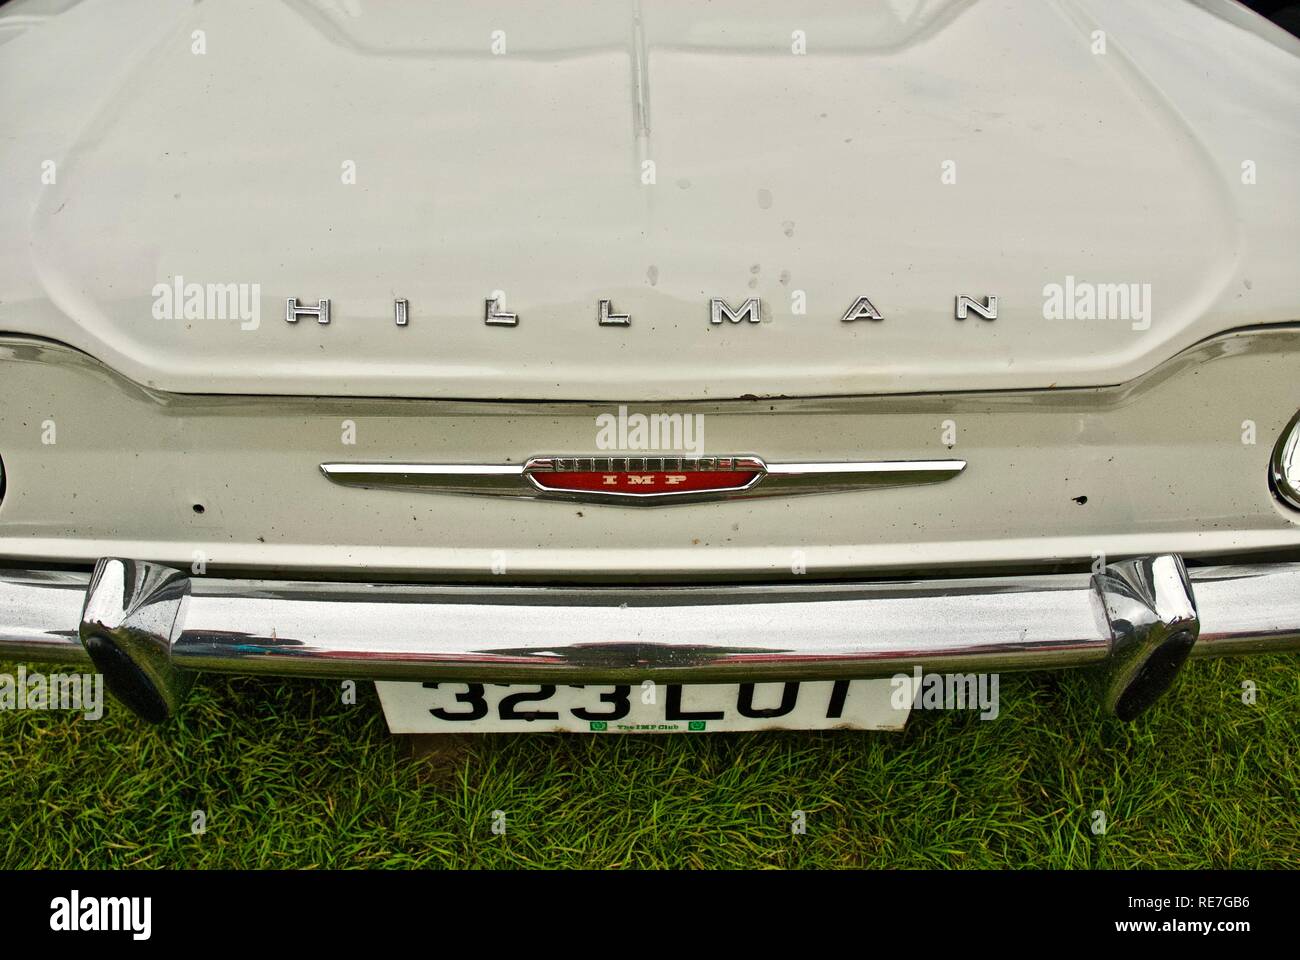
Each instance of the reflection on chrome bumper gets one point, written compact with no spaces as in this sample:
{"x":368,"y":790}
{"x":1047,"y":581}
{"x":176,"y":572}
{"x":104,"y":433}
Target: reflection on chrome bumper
{"x":149,"y":627}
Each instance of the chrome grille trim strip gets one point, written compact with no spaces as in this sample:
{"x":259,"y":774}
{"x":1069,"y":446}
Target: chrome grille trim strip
{"x":510,"y":480}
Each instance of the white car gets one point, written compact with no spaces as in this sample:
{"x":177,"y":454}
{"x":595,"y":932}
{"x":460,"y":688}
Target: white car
{"x":630,"y":367}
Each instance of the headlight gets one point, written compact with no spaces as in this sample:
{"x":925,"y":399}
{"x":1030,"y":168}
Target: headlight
{"x":1285,"y":471}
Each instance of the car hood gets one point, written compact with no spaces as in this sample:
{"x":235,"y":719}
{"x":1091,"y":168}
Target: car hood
{"x":657,"y":157}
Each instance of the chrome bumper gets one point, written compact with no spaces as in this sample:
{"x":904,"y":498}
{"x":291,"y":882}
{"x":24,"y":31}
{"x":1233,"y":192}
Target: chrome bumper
{"x":148,"y":628}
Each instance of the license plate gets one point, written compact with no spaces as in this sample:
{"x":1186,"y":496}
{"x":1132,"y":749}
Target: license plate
{"x":646,"y":708}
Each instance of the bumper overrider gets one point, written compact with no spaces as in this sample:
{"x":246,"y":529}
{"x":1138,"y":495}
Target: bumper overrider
{"x":149,"y":628}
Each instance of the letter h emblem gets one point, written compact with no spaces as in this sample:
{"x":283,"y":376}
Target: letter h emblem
{"x":292,"y":311}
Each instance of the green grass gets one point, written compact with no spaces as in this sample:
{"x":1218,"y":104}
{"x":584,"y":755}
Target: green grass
{"x":290,"y":777}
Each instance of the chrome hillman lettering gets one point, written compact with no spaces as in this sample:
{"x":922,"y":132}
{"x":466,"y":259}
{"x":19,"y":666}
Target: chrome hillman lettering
{"x":720,"y":311}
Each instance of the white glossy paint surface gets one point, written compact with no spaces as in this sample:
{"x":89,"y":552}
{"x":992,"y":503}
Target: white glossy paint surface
{"x":1155,"y":466}
{"x":775,"y":173}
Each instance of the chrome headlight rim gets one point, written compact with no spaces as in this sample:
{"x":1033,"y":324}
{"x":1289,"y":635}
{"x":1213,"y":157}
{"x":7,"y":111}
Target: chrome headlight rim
{"x":1284,"y":469}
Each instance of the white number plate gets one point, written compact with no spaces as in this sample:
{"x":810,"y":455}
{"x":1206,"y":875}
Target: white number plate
{"x":645,"y":708}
